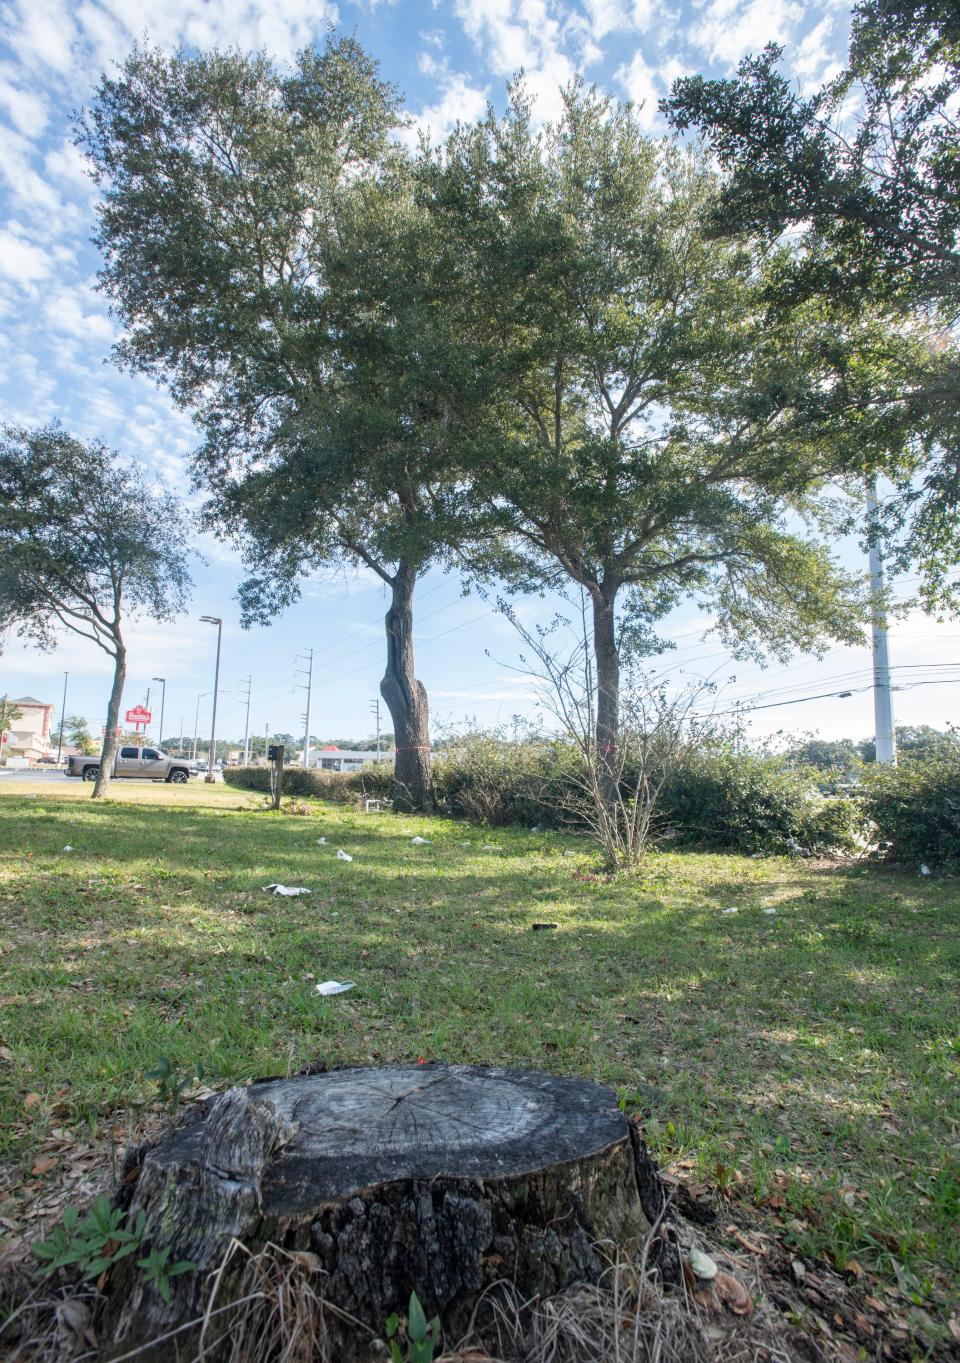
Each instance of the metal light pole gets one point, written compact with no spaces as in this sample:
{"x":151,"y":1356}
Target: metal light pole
{"x":163,"y":702}
{"x":885,"y":740}
{"x":214,"y":620}
{"x":196,"y":722}
{"x":63,"y":715}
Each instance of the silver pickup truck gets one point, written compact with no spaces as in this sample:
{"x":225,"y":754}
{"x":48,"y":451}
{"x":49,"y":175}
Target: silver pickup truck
{"x":143,"y":764}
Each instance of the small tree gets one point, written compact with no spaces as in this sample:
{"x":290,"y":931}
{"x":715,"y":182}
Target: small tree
{"x":615,"y":784}
{"x":85,"y":538}
{"x":9,"y":714}
{"x":77,"y":731}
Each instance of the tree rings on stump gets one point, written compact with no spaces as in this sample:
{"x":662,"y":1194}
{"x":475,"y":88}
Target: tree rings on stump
{"x":438,"y":1179}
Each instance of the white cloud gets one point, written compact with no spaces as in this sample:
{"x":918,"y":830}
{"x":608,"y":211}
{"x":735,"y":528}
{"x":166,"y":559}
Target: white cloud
{"x":646,"y":85}
{"x":459,"y":102}
{"x":20,"y":260}
{"x":730,"y":28}
{"x":511,"y":34}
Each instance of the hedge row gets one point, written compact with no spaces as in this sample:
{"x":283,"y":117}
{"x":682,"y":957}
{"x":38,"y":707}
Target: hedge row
{"x":340,"y":787}
{"x":718,"y":798}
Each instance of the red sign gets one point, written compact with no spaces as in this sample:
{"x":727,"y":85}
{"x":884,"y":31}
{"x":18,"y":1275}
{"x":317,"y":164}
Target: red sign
{"x":138,"y":715}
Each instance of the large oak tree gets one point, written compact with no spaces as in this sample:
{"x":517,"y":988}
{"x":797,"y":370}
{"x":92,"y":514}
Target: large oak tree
{"x":227,"y":187}
{"x":658,"y":429}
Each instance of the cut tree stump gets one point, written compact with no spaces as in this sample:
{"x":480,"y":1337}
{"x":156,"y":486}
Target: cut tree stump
{"x":439,"y":1179}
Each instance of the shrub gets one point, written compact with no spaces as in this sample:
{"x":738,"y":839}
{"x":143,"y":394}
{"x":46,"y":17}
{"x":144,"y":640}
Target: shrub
{"x":339,"y":787}
{"x":915,"y":809}
{"x":497,"y":782}
{"x":755,"y":803}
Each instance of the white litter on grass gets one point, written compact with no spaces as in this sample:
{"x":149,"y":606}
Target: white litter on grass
{"x":68,"y":848}
{"x":924,"y":868}
{"x":321,"y":842}
{"x":731,"y":910}
{"x":491,"y":847}
{"x":702,"y":1265}
{"x":421,"y":842}
{"x":769,"y":912}
{"x":570,"y":853}
{"x":343,"y":856}
{"x":328,"y":987}
{"x":288,"y":890}
{"x":466,"y":844}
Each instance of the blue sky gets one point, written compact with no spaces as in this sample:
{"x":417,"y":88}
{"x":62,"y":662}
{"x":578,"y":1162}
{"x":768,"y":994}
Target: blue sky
{"x":449,"y":58}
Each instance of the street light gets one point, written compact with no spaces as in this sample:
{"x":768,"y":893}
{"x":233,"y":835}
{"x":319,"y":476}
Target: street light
{"x":163,"y":701}
{"x":214,"y":620}
{"x":63,"y":714}
{"x":196,"y":721}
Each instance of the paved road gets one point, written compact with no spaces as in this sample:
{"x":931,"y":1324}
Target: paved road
{"x":14,"y":774}
{"x":18,"y":774}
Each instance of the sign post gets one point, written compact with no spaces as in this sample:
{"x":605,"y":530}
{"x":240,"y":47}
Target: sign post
{"x":275,"y":757}
{"x":139,"y":717}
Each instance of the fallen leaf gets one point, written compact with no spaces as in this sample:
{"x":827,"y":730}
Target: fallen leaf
{"x":44,"y":1164}
{"x":733,"y":1294}
{"x":30,"y":1101}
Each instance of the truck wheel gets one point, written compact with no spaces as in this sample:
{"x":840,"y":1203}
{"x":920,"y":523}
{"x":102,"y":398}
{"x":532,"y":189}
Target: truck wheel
{"x":178,"y":777}
{"x":91,"y":773}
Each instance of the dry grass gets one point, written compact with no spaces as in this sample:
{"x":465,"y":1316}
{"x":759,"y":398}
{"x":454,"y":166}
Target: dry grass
{"x":276,"y":1311}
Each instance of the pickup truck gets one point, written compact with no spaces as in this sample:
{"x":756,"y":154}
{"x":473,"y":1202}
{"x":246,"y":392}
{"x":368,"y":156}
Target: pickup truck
{"x":143,"y":764}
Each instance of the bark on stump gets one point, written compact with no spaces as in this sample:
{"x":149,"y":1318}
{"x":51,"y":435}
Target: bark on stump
{"x":439,"y":1179}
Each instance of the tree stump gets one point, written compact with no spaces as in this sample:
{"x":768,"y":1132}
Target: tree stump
{"x":439,"y":1179}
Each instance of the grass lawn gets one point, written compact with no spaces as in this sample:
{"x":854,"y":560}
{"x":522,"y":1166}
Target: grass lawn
{"x":806,"y":1060}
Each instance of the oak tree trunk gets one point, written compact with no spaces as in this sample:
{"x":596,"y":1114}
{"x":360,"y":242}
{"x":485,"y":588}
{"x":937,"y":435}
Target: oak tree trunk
{"x":113,"y":722}
{"x":607,"y":661}
{"x":406,"y":699}
{"x":438,"y":1179}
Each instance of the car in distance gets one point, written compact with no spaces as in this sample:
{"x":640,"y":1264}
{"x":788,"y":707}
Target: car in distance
{"x":138,"y":764}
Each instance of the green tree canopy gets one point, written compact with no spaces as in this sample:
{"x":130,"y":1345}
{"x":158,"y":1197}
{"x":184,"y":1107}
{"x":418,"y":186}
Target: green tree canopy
{"x":866,"y":174}
{"x":85,"y":541}
{"x":659,"y":429}
{"x":264,"y":248}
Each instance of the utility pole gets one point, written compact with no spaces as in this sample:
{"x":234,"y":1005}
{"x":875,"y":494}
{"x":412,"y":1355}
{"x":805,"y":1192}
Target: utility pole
{"x":214,"y":620}
{"x":308,"y":687}
{"x":180,"y":737}
{"x":266,"y":740}
{"x":375,"y":710}
{"x":146,"y":706}
{"x":63,"y":714}
{"x":885,"y":739}
{"x":246,"y":724}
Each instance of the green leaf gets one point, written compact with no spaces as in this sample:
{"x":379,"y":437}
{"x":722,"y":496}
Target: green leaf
{"x":417,"y":1323}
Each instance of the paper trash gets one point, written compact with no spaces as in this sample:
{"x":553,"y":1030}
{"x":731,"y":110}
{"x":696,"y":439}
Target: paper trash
{"x":343,"y":856}
{"x":335,"y":986}
{"x":288,"y":889}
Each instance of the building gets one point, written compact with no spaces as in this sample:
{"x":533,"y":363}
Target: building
{"x":29,"y":736}
{"x":332,"y":758}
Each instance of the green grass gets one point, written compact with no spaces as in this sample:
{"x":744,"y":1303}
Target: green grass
{"x":808,"y":1060}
